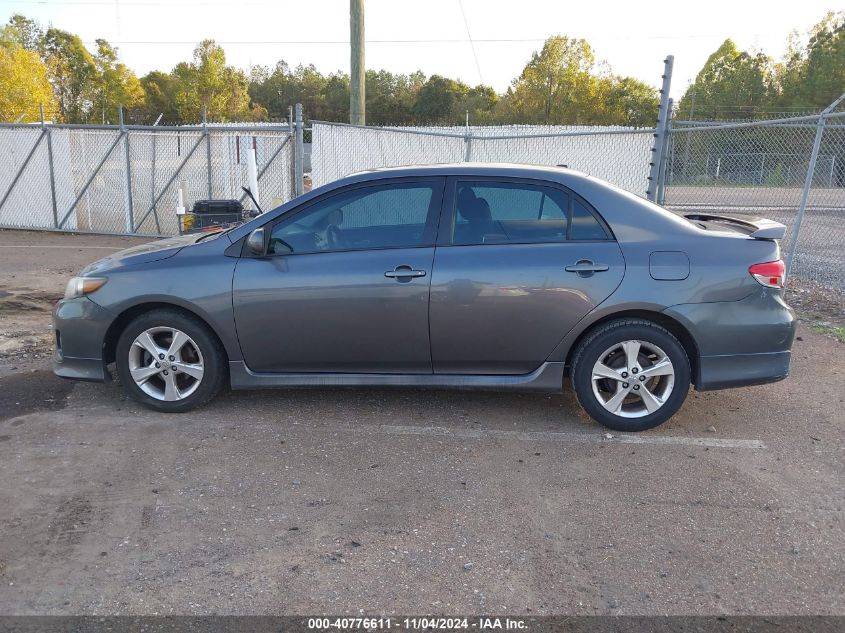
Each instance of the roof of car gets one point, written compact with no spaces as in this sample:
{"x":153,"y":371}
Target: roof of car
{"x":473,"y":168}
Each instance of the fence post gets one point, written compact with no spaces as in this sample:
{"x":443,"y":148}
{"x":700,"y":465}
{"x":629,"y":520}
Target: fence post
{"x":299,"y":156}
{"x":153,"y":175}
{"x":52,"y":169}
{"x":660,"y":131}
{"x":127,"y":192}
{"x":808,"y":183}
{"x":467,"y":140}
{"x":207,"y":149}
{"x":292,"y":137}
{"x":805,"y":195}
{"x":664,"y":159}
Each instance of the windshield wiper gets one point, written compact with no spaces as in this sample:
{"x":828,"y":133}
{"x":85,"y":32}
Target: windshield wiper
{"x":210,"y":233}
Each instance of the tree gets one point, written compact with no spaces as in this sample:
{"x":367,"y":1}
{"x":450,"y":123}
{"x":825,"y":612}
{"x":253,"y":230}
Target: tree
{"x":208,"y":84}
{"x":732,"y":84}
{"x":439,"y":100}
{"x":272,"y":89}
{"x":815,"y":76}
{"x":159,"y":99}
{"x":72,"y":73}
{"x":24,"y":32}
{"x":116,"y":85}
{"x":337,"y":97}
{"x":556,"y":86}
{"x":480,"y":102}
{"x":628,"y":101}
{"x":391,"y":97}
{"x":24,"y":86}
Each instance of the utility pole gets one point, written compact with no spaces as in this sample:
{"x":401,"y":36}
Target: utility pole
{"x":357,"y":75}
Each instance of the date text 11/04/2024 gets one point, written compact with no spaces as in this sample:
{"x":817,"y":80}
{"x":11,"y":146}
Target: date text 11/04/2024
{"x":421,"y":623}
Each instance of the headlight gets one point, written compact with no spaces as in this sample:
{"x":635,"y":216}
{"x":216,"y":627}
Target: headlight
{"x":79,"y":286}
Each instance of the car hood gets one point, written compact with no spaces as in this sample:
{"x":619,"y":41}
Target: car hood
{"x":141,"y":254}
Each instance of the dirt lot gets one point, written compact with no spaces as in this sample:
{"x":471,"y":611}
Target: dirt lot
{"x":406,"y":501}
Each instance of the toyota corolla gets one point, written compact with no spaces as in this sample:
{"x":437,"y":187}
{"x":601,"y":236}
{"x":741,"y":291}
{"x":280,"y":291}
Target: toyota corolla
{"x":502,"y":277}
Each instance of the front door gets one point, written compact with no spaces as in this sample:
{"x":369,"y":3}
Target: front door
{"x":518,"y":264}
{"x":345,"y":286}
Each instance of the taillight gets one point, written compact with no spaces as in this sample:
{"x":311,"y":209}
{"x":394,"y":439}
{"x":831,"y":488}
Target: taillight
{"x":769,"y":274}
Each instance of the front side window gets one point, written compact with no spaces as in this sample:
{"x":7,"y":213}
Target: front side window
{"x":394,"y":215}
{"x":522,"y":213}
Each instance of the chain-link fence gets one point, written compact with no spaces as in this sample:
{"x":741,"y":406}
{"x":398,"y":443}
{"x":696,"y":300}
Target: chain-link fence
{"x":788,"y":170}
{"x":124,"y":179}
{"x":617,"y":154}
{"x":112,"y":179}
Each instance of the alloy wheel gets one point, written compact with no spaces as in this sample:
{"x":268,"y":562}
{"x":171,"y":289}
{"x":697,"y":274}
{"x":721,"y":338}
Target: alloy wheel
{"x":166,"y":363}
{"x":633,"y":379}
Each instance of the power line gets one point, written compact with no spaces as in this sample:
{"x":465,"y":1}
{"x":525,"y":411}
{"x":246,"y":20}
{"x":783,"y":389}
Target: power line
{"x":346,"y":42}
{"x":471,"y":43}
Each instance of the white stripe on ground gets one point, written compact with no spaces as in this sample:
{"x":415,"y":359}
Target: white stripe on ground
{"x":553,"y":436}
{"x":107,"y":248}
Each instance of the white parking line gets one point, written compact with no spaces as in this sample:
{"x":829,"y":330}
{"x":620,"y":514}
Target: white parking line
{"x":554,"y":436}
{"x":107,"y":248}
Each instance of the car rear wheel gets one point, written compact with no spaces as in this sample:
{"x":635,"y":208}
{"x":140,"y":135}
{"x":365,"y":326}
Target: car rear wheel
{"x":170,"y":361}
{"x":630,"y":374}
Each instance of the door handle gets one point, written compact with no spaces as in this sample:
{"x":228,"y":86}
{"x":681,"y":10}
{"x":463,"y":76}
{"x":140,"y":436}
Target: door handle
{"x":404,"y":271}
{"x":585,"y":268}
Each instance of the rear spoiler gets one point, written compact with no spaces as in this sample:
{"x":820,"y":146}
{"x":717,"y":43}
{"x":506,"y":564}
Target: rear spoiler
{"x":758,"y":228}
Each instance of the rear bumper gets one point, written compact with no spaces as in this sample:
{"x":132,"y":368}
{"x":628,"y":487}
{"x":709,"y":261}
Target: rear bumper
{"x":741,"y":370}
{"x":739,"y":343}
{"x":80,"y":327}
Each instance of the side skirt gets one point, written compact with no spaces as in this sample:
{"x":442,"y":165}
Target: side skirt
{"x":548,"y":378}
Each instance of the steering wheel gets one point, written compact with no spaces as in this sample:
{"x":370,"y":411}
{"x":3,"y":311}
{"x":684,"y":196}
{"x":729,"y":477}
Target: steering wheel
{"x":334,"y":237}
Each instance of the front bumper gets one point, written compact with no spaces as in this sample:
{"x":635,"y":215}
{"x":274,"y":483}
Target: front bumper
{"x":80,"y":327}
{"x":740,"y":343}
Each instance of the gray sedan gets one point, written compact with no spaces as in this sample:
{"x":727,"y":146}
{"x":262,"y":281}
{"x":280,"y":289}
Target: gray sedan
{"x":465,"y":276}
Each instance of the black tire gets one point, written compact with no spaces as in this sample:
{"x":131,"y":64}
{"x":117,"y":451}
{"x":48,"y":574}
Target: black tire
{"x":615,"y":332}
{"x":212,"y":354}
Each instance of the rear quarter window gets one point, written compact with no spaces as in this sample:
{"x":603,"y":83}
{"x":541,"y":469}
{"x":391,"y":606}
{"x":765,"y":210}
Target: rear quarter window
{"x":585,"y":226}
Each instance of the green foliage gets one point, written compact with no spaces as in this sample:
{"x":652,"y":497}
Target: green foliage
{"x":208,"y":85}
{"x":116,"y":85}
{"x":74,"y":85}
{"x":73,"y":74}
{"x":23,"y":32}
{"x":776,"y":177}
{"x":820,"y":68}
{"x":732,"y":84}
{"x":556,"y":86}
{"x":562,"y":84}
{"x":159,"y":99}
{"x":24,"y":85}
{"x":736,"y":84}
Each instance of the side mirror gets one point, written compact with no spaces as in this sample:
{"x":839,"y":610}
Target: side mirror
{"x":256,"y":243}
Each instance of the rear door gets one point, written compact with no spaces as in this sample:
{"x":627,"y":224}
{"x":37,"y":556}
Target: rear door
{"x":518,"y":264}
{"x":345,"y":287}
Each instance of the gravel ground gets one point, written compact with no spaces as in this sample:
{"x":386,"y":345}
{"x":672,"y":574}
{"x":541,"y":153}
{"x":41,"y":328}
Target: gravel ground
{"x":406,"y":501}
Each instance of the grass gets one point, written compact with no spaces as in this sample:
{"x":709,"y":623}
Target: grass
{"x":833,"y":331}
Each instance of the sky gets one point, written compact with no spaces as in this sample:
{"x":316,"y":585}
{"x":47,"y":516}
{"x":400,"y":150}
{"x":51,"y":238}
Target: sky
{"x":491,"y":44}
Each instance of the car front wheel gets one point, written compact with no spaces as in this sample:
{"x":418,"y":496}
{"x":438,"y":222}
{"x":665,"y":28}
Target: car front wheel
{"x":630,"y":374}
{"x":170,"y":361}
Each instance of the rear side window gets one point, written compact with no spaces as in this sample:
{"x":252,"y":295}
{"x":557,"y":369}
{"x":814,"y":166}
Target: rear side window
{"x":491,"y":213}
{"x":585,"y":226}
{"x":521,"y":213}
